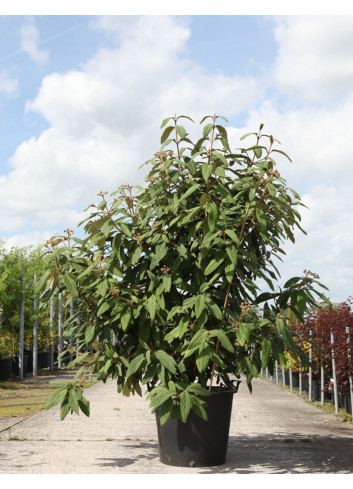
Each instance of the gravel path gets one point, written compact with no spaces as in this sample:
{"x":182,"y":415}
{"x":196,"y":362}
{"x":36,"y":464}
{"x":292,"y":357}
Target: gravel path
{"x":272,"y":432}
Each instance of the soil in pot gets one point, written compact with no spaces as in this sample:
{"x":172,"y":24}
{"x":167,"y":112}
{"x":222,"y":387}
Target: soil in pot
{"x":197,"y":443}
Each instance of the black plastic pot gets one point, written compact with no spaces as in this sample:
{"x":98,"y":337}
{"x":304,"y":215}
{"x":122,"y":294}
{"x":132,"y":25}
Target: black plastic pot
{"x":5,"y":368}
{"x":29,"y":354}
{"x":295,"y":379}
{"x":44,"y":359}
{"x":15,"y":365}
{"x":198,"y":443}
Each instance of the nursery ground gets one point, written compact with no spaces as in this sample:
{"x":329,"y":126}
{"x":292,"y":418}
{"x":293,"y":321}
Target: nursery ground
{"x":23,"y":398}
{"x":272,"y":432}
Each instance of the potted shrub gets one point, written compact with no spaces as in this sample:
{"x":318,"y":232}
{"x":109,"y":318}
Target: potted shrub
{"x":166,"y":281}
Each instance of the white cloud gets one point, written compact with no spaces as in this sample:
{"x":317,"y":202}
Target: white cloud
{"x":8,"y":83}
{"x":105,"y":121}
{"x":327,"y":248}
{"x":317,"y":140}
{"x":35,"y":238}
{"x":315,"y":57}
{"x":319,"y":144}
{"x":30,"y":41}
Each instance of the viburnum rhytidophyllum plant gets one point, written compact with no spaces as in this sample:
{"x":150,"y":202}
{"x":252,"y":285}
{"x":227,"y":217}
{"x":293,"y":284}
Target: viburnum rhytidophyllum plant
{"x":165,"y":278}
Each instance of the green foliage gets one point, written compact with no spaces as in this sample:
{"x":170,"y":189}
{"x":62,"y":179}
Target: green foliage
{"x":12,"y":263}
{"x":167,"y":275}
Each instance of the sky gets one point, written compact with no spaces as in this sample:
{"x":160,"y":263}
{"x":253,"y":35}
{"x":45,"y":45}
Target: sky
{"x":82,"y":98}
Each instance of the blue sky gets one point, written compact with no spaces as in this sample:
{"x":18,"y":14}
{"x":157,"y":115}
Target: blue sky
{"x":82,"y":98}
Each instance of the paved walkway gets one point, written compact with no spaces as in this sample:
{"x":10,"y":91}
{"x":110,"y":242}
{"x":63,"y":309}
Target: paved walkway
{"x":272,"y":432}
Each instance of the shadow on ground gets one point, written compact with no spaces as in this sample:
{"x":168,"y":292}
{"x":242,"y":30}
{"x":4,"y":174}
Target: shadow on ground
{"x":124,"y":461}
{"x":268,"y":454}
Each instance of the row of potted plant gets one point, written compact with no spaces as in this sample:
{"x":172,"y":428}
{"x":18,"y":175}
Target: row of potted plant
{"x":330,"y":331}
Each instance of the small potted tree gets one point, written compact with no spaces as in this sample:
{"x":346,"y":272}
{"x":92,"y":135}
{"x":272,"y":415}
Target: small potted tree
{"x":166,"y":281}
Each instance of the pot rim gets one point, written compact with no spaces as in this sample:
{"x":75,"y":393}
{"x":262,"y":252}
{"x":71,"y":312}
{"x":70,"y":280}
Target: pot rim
{"x":215,"y":390}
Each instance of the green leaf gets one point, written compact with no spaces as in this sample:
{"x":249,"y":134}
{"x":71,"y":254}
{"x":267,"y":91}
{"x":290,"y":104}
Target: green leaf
{"x":203,"y":200}
{"x":258,"y":151}
{"x":213,"y":214}
{"x":301,"y":301}
{"x":166,"y":360}
{"x":125,"y":229}
{"x":214,"y":309}
{"x":103,"y":288}
{"x":225,"y":144}
{"x":232,"y":235}
{"x":229,"y":271}
{"x":261,"y":217}
{"x":283,"y":153}
{"x":166,"y":411}
{"x":185,"y":117}
{"x":185,"y":405}
{"x":125,"y":318}
{"x":207,"y":129}
{"x":180,"y":131}
{"x":242,"y":334}
{"x":183,"y":326}
{"x":222,"y":131}
{"x":247,"y":134}
{"x":73,"y":402}
{"x":39,"y":285}
{"x":198,"y":389}
{"x":190,"y":191}
{"x":206,"y":171}
{"x":205,"y":117}
{"x":190,"y":216}
{"x":136,"y":256}
{"x":70,"y":284}
{"x":57,"y":397}
{"x":166,"y":133}
{"x":103,"y":308}
{"x":199,"y":409}
{"x":165,"y":121}
{"x":64,"y":411}
{"x":158,"y":397}
{"x":224,"y":340}
{"x":265,"y":296}
{"x":167,"y":282}
{"x":217,"y":156}
{"x":84,"y":406}
{"x":151,"y":306}
{"x":90,"y":333}
{"x":203,"y":357}
{"x":199,"y":305}
{"x":292,"y":281}
{"x":233,"y":254}
{"x":198,"y":338}
{"x":266,"y":352}
{"x":135,"y":364}
{"x":213,"y":265}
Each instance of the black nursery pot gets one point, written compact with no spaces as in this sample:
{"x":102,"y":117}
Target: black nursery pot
{"x":197,"y":443}
{"x":44,"y":359}
{"x":5,"y":368}
{"x":16,"y":365}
